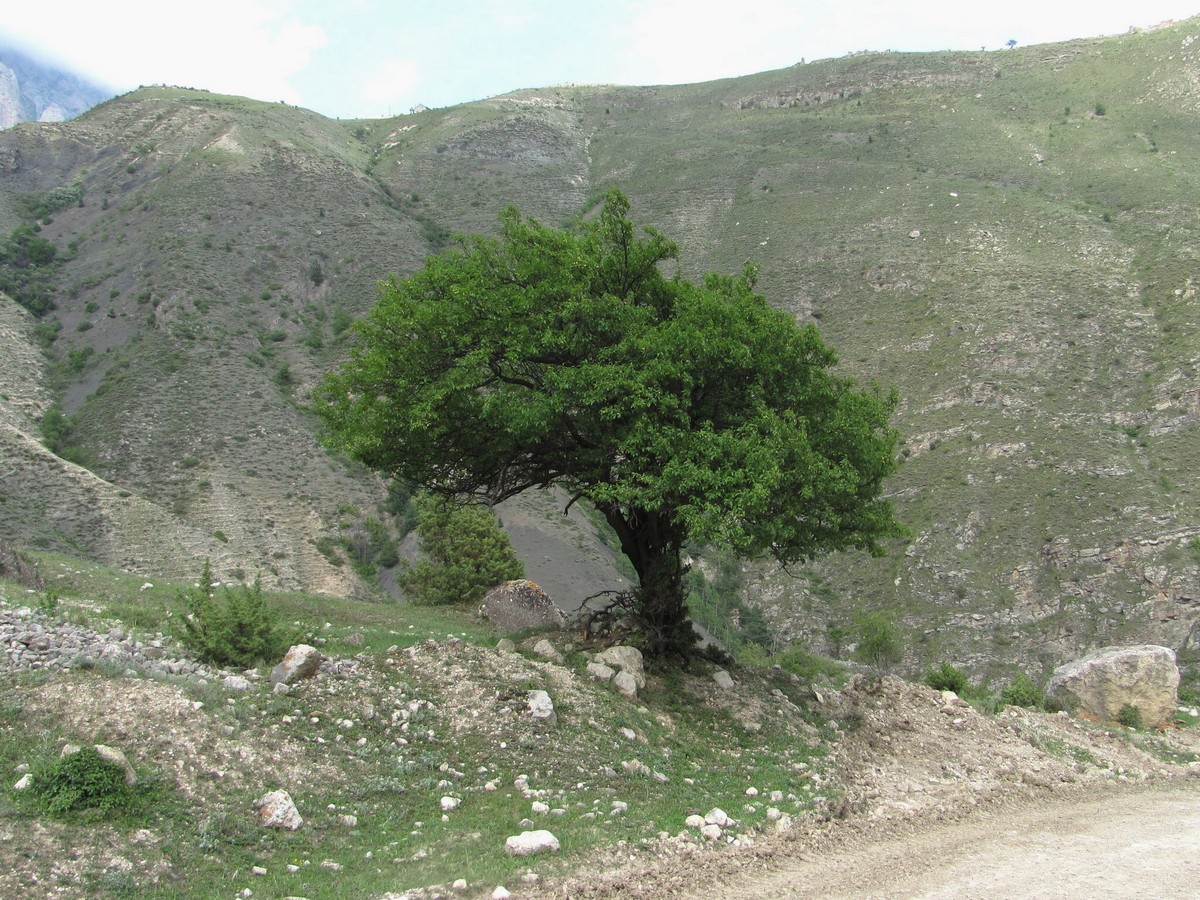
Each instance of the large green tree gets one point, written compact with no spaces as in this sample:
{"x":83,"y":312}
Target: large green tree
{"x":683,"y":411}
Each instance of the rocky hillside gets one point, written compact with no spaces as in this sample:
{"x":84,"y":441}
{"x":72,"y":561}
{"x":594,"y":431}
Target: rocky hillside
{"x":1007,"y":238}
{"x":33,"y":92}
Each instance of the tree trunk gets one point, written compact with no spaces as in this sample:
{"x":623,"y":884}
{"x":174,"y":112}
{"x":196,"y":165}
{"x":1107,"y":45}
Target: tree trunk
{"x":654,"y":546}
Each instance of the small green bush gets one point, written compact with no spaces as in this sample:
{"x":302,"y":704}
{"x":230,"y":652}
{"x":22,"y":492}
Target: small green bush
{"x":81,"y":781}
{"x":946,"y":678}
{"x":1130,"y":716}
{"x":1022,"y":691}
{"x":879,"y":644}
{"x":239,"y":630}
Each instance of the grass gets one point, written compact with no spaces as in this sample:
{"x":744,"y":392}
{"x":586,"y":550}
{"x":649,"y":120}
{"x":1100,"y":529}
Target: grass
{"x":709,"y":755}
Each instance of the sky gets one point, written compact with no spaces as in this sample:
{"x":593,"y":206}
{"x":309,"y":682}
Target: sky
{"x":376,"y":58}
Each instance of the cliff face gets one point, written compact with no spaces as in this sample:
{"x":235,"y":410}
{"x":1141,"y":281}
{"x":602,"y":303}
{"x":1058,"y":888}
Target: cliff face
{"x":31,"y":91}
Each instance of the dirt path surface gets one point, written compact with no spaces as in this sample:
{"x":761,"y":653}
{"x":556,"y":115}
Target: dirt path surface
{"x":1132,"y":844}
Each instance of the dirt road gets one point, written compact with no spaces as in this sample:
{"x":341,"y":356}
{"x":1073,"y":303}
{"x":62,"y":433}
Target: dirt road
{"x":1126,"y":845}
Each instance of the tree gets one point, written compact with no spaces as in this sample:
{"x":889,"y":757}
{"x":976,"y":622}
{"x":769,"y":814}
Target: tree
{"x":466,"y":553}
{"x":1010,"y":43}
{"x":681,"y":411}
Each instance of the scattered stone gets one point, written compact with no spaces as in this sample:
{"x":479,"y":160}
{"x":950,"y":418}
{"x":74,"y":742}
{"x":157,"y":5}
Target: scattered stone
{"x":600,"y":671}
{"x":541,"y":707}
{"x":1103,"y":683}
{"x":723,"y":680}
{"x":540,"y":808}
{"x":694,"y":821}
{"x":711,"y":832}
{"x":23,"y":784}
{"x":300,"y":662}
{"x":546,"y":650}
{"x":349,"y":821}
{"x":504,"y":645}
{"x":501,"y":893}
{"x":626,"y":685}
{"x":528,"y":843}
{"x":625,"y":659}
{"x":276,"y":810}
{"x":257,"y":870}
{"x":236,"y":684}
{"x":718,"y":816}
{"x":330,"y":866}
{"x":520,"y":606}
{"x":460,"y":884}
{"x":449,"y":803}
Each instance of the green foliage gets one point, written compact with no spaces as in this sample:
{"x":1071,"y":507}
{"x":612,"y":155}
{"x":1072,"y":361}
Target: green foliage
{"x":682,"y":411}
{"x":879,"y":642}
{"x":28,"y":267}
{"x":465,"y":553}
{"x":1129,"y":716}
{"x":946,"y":677}
{"x":807,"y":665}
{"x":237,"y":630}
{"x":81,"y":781}
{"x":1023,"y":691}
{"x":1194,"y":550}
{"x":316,"y":274}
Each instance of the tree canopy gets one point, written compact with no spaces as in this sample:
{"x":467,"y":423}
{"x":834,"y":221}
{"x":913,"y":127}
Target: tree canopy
{"x":685,"y":412}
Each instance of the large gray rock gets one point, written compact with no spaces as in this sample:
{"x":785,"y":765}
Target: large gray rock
{"x":301,"y":661}
{"x":520,"y":606}
{"x":541,"y":707}
{"x":625,"y":659}
{"x":1101,"y":684}
{"x":276,"y":810}
{"x":527,"y":843}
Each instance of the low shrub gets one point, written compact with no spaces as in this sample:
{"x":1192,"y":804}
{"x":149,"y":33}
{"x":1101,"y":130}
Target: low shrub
{"x":1130,"y":716}
{"x":237,"y":630}
{"x":946,"y":677}
{"x":1022,"y":691}
{"x":81,"y":781}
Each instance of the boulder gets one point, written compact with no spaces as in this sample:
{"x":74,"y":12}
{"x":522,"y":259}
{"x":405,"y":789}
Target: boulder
{"x":723,"y":680}
{"x":541,"y":707}
{"x":547,"y":650}
{"x":276,"y":810}
{"x":300,"y":662}
{"x":600,"y":671}
{"x":625,"y":659}
{"x":626,"y":685}
{"x":520,"y":606}
{"x":1103,"y":683}
{"x":527,"y":843}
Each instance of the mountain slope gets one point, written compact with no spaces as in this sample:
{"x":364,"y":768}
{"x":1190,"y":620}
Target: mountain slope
{"x":1007,"y":238}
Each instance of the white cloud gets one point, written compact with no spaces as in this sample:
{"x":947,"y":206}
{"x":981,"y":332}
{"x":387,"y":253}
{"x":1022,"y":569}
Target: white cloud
{"x":249,"y":47}
{"x":384,"y":89}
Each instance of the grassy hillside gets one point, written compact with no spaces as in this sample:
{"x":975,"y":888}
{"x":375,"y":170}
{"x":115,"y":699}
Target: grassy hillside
{"x":1007,"y":238}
